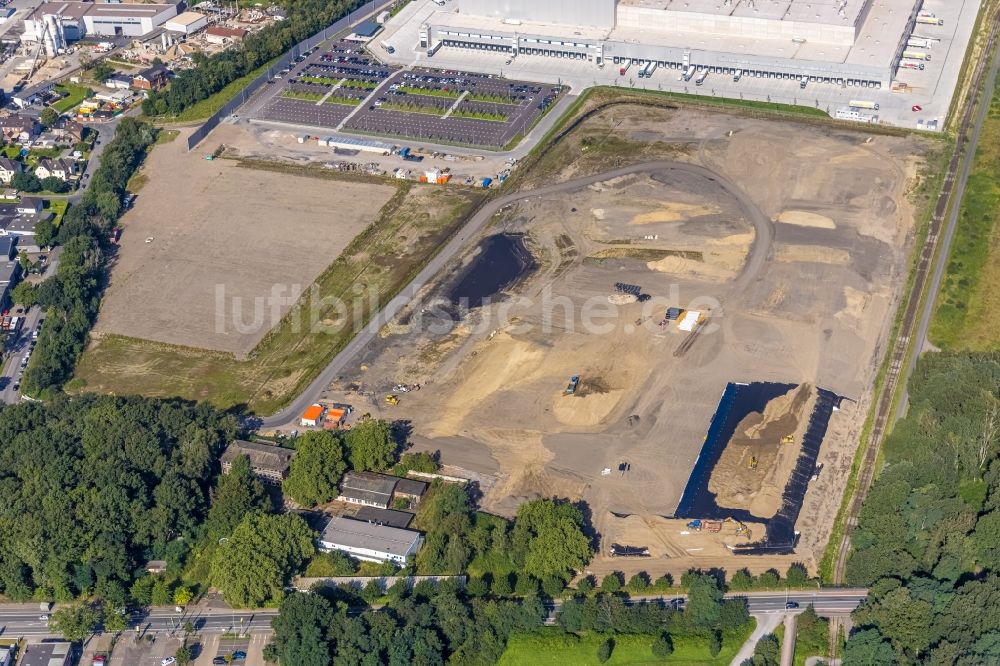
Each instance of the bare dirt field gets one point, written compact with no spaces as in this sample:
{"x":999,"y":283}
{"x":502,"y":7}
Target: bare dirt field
{"x":791,"y":240}
{"x":223,"y":238}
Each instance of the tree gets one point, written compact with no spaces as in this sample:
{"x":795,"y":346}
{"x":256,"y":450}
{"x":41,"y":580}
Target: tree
{"x":24,"y":294}
{"x":300,"y":630}
{"x":767,"y":652}
{"x":638,"y":582}
{"x":417,"y":462}
{"x":114,"y":619}
{"x":501,"y":585}
{"x":797,"y":576}
{"x":25,"y":181}
{"x":316,"y":469}
{"x":604,"y":650}
{"x":553,"y":585}
{"x":182,"y":595}
{"x":75,"y":622}
{"x":332,"y":564}
{"x":255,"y":564}
{"x":663,"y":647}
{"x":868,"y":647}
{"x":550,"y":533}
{"x":53,"y":184}
{"x":715,"y":644}
{"x":586,"y":585}
{"x":476,"y":587}
{"x":371,"y":446}
{"x":49,"y":116}
{"x":703,"y":607}
{"x":238,"y":493}
{"x":612,"y":583}
{"x":372,"y":591}
{"x":184,"y":655}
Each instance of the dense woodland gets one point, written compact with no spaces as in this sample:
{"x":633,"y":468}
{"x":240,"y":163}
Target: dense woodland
{"x":72,"y":296}
{"x":928,"y":537}
{"x":212,"y":74}
{"x":94,"y":487}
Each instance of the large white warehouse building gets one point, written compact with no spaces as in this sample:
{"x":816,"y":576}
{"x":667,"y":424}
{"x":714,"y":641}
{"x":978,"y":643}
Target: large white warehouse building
{"x":847,"y":42}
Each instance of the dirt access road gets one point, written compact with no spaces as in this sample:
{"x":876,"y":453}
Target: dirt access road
{"x":759,"y":251}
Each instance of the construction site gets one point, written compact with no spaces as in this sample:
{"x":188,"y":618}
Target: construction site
{"x":579,"y":347}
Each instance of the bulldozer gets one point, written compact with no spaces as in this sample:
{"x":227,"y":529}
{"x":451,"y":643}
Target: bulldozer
{"x":788,"y":439}
{"x":392,"y":399}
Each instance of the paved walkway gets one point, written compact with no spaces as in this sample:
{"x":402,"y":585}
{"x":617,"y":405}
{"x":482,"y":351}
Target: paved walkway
{"x":766,"y":624}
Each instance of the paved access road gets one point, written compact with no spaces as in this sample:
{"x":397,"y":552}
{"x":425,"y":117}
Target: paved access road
{"x":759,"y":251}
{"x":25,"y":619}
{"x":11,"y":370}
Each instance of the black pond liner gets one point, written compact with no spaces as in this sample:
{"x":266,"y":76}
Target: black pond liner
{"x":739,"y":400}
{"x":502,"y":261}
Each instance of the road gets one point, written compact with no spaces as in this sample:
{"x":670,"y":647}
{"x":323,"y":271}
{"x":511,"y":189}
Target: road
{"x":759,"y":251}
{"x":25,"y":619}
{"x":17,"y":350}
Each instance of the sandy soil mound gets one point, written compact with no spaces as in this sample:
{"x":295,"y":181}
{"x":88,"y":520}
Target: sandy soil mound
{"x":816,"y":254}
{"x":698,"y":270}
{"x":759,"y":489}
{"x":673,"y":212}
{"x":585,"y":410}
{"x":667,"y":537}
{"x":803,"y":218}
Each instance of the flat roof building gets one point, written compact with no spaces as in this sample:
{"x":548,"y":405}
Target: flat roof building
{"x":269,"y":462}
{"x":126,"y":20}
{"x":368,"y":541}
{"x":187,"y":23}
{"x":47,"y":654}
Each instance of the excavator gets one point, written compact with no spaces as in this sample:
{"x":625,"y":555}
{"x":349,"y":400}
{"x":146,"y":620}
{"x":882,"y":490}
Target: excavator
{"x":752,"y":464}
{"x":741,"y":527}
{"x":392,"y":399}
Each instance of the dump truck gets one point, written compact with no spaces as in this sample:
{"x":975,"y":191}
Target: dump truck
{"x":574,"y":382}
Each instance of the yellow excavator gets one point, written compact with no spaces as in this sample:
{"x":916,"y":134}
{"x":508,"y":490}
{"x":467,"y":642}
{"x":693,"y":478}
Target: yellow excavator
{"x":752,"y":464}
{"x":392,"y":399}
{"x":741,"y":528}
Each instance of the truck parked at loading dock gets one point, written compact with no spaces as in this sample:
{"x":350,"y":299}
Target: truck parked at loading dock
{"x":624,"y":67}
{"x":916,"y":55}
{"x":702,"y":75}
{"x":688,"y":73}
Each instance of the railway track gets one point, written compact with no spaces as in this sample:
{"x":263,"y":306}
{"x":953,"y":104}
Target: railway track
{"x":899,"y":363}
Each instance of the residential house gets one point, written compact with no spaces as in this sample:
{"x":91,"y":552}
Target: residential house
{"x":60,"y":168}
{"x":69,"y":130}
{"x":151,"y":78}
{"x":367,"y":488}
{"x":8,"y":247}
{"x":118,"y":81}
{"x":47,"y":654}
{"x":156,"y":566}
{"x":8,"y":169}
{"x":23,"y":227}
{"x":19,"y":128}
{"x":29,"y":206}
{"x":369,"y":541}
{"x":269,"y":462}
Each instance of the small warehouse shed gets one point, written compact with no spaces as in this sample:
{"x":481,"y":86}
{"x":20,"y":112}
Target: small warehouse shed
{"x":312,"y":416}
{"x":187,"y":23}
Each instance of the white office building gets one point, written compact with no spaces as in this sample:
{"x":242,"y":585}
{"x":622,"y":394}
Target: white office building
{"x":369,"y":541}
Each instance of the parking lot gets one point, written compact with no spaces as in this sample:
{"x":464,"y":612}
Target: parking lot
{"x":341,"y":87}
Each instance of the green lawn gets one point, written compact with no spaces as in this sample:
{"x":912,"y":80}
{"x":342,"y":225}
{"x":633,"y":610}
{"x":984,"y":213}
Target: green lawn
{"x":76,"y":95}
{"x":206,"y":107}
{"x":555,"y":648}
{"x":58,"y":208}
{"x":968,"y":306}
